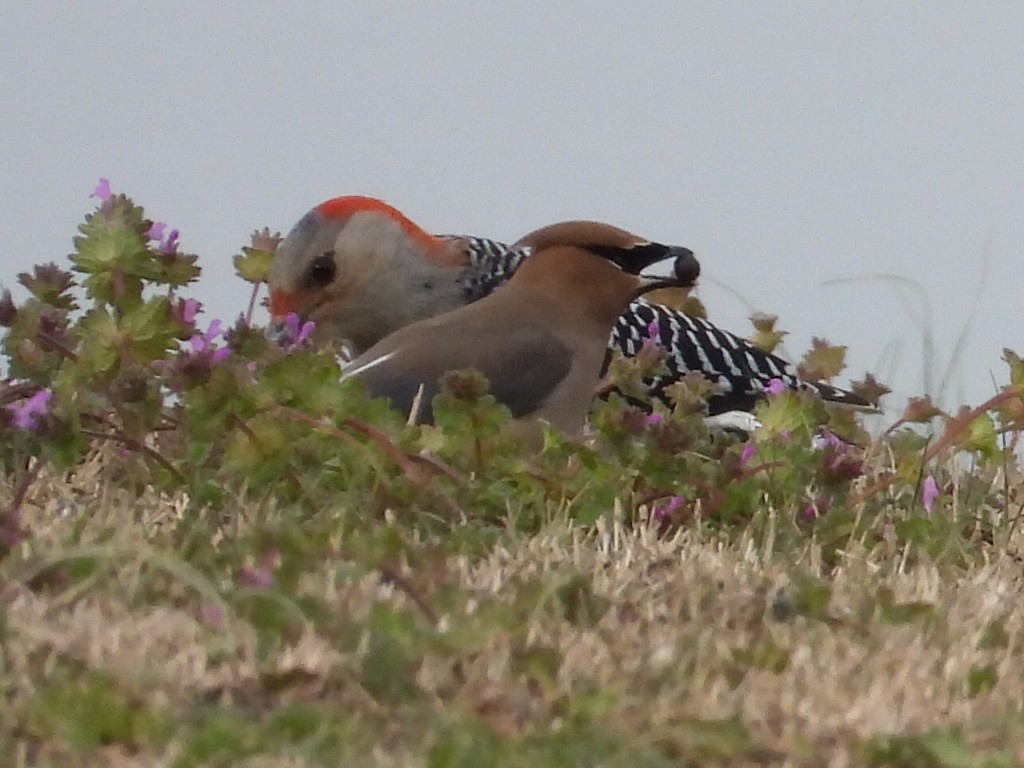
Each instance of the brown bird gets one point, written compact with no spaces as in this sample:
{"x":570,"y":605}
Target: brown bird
{"x":541,"y":339}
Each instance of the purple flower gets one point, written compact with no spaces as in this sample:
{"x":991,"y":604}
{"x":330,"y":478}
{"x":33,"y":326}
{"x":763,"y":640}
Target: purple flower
{"x":261,"y":574}
{"x":258,"y":576}
{"x":747,"y":454}
{"x":775,"y":387}
{"x":297,"y":335}
{"x":664,"y":511}
{"x":169,"y":244}
{"x":27,"y":413}
{"x":212,"y":615}
{"x":929,"y":493}
{"x":189,"y":310}
{"x":204,"y":343}
{"x":102,"y":190}
{"x":654,"y":332}
{"x":653,"y":418}
{"x":826,"y":438}
{"x":156,"y":231}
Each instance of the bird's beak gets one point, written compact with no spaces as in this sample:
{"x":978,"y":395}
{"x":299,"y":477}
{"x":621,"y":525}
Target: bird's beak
{"x":680,"y":271}
{"x":281,"y":303}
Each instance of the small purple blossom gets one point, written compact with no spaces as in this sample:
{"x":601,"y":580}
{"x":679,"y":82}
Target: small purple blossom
{"x":775,"y":387}
{"x":203,"y":343}
{"x":28,"y":412}
{"x":212,"y":614}
{"x":654,"y":332}
{"x":261,"y":574}
{"x":826,"y":438}
{"x":102,"y":190}
{"x":189,"y":310}
{"x":929,"y":493}
{"x":296,"y":334}
{"x":156,"y":231}
{"x":169,"y":244}
{"x":662,"y":512}
{"x":653,"y":418}
{"x":747,"y":454}
{"x":258,"y":576}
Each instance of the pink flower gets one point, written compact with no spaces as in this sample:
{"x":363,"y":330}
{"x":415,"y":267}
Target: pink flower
{"x":258,"y":576}
{"x":102,"y":190}
{"x":775,"y":387}
{"x":204,"y":343}
{"x":201,"y":343}
{"x":654,"y":331}
{"x":212,"y":614}
{"x":189,"y":310}
{"x":169,"y":244}
{"x":929,"y":493}
{"x":653,"y":418}
{"x":817,"y":508}
{"x":27,"y":413}
{"x":826,"y":438}
{"x":296,"y":334}
{"x":664,"y":511}
{"x":156,"y":231}
{"x":747,"y":454}
{"x":261,"y":574}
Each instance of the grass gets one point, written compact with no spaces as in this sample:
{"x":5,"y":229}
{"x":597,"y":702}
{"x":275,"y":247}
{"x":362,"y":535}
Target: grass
{"x":607,"y":645}
{"x":267,"y":569}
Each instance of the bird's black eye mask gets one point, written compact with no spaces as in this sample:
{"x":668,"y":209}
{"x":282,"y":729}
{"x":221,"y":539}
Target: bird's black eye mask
{"x":320,"y":272}
{"x":633,"y":260}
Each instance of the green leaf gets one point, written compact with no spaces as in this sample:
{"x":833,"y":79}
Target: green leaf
{"x":981,"y":437}
{"x":1016,"y":365}
{"x":981,"y":679}
{"x":994,"y":636}
{"x":253,"y":265}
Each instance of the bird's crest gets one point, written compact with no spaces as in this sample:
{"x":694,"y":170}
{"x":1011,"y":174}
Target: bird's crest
{"x":340,"y":208}
{"x":631,"y":253}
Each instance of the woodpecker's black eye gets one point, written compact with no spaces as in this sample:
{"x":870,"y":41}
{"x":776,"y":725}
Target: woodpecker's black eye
{"x":321,"y":271}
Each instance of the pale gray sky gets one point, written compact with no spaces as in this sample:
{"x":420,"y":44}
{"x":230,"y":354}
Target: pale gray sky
{"x":786,"y":143}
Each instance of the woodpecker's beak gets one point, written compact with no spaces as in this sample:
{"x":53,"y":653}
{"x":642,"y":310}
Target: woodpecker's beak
{"x":282,"y":304}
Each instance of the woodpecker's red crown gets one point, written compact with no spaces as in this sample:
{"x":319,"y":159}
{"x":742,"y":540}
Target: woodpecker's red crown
{"x":343,"y":208}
